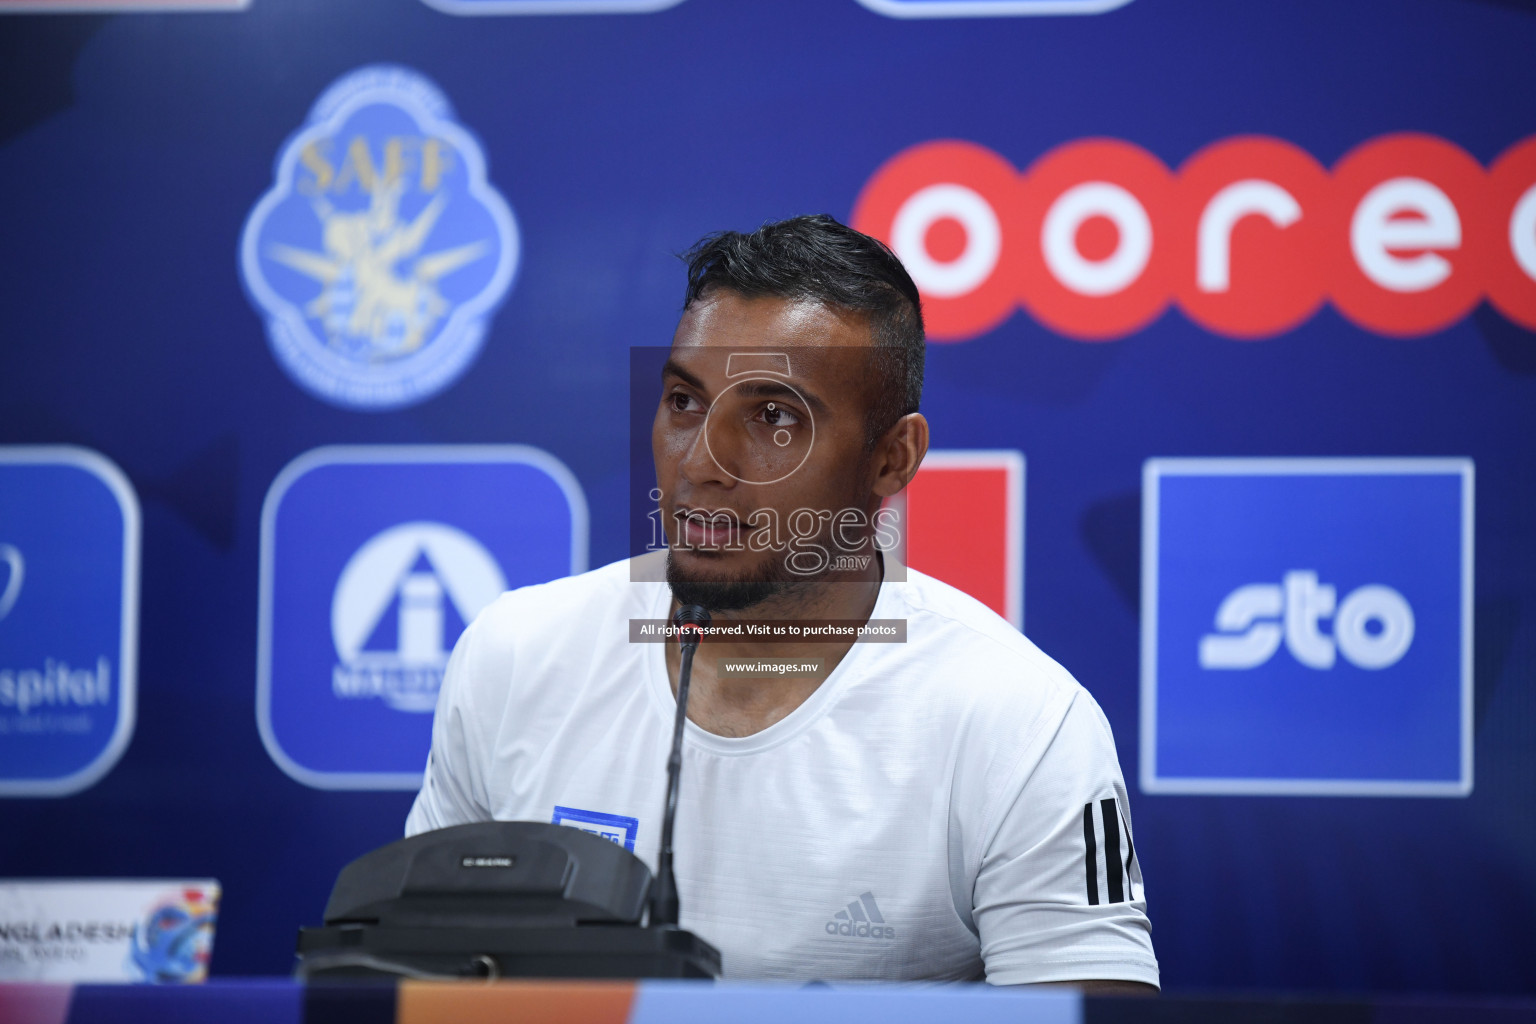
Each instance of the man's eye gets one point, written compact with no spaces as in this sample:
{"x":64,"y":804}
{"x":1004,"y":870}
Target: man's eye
{"x":775,"y":415}
{"x":682,"y":402}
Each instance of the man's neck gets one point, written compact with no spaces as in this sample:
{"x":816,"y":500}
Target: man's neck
{"x":742,"y":704}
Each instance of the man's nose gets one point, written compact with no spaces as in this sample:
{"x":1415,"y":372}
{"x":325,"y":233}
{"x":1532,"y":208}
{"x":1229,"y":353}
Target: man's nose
{"x":707,"y":460}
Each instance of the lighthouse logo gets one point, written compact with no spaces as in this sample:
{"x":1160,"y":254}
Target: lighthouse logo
{"x":401,"y":601}
{"x":374,"y":561}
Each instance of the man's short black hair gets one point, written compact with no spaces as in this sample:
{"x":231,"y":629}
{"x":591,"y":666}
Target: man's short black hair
{"x":815,"y":257}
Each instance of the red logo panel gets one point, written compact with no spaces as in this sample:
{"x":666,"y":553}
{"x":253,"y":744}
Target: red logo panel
{"x":963,"y":520}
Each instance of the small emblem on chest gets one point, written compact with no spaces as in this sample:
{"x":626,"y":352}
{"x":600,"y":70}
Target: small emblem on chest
{"x":614,"y":827}
{"x":861,"y":919}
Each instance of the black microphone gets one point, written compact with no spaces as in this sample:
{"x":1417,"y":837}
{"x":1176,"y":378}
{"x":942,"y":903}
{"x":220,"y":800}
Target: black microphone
{"x":690,"y":620}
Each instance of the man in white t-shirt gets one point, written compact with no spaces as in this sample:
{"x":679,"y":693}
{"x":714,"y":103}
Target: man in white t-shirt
{"x":945,"y":807}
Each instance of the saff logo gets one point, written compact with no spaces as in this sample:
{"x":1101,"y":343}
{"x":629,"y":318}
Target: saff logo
{"x":1306,"y":626}
{"x":381,"y":249}
{"x":69,"y":602}
{"x":373,"y":561}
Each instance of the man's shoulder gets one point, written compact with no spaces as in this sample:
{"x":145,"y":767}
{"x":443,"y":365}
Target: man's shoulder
{"x":974,"y":658}
{"x":619,"y":590}
{"x":544,"y":631}
{"x":965,"y":629}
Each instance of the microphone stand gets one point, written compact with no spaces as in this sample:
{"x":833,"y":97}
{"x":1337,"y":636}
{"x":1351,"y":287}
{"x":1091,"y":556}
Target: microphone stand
{"x":690,"y":621}
{"x":553,"y":902}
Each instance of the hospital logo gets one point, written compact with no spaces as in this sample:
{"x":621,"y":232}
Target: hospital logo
{"x":390,"y":616}
{"x":375,"y":559}
{"x":16,"y":568}
{"x":69,"y":601}
{"x":381,"y":250}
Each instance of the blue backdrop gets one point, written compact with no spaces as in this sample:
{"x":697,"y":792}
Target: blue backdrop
{"x":133,"y":147}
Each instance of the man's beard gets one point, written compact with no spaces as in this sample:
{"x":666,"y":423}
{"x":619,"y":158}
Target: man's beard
{"x":721,"y":593}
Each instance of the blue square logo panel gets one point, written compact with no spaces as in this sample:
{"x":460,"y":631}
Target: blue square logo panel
{"x":373,"y":561}
{"x":1307,"y":626}
{"x":69,"y":600}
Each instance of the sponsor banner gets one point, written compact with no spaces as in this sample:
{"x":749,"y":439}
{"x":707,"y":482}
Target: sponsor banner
{"x":115,"y":6}
{"x":139,"y":930}
{"x":1404,"y":236}
{"x":671,"y":1003}
{"x":382,"y":248}
{"x":69,"y":593}
{"x":373,"y":560}
{"x":473,"y":7}
{"x":1307,"y":626}
{"x":986,"y":8}
{"x":962,"y":518}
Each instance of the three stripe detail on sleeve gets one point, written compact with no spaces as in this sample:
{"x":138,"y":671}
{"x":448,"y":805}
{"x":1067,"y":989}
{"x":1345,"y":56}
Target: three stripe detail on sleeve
{"x":1117,"y":875}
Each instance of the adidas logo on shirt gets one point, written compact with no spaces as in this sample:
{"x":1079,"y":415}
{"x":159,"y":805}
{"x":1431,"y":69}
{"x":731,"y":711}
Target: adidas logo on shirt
{"x":862,"y":919}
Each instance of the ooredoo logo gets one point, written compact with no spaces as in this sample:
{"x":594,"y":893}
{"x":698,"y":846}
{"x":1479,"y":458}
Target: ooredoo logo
{"x":1404,"y":236}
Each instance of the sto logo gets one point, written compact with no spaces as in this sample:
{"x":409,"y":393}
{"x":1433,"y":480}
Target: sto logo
{"x":1249,"y":636}
{"x":1361,"y":569}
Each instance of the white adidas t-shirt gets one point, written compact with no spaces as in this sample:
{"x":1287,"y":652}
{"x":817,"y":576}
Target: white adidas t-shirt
{"x":946,"y":808}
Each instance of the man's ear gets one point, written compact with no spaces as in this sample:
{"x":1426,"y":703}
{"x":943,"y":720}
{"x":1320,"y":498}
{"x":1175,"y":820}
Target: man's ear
{"x":899,"y":452}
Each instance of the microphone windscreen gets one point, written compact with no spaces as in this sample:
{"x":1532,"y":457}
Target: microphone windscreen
{"x":690,"y":620}
{"x":690,"y":615}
